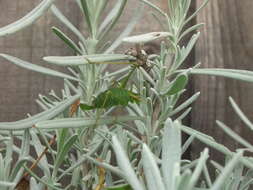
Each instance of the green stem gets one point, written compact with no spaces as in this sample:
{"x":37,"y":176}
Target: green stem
{"x":126,"y":79}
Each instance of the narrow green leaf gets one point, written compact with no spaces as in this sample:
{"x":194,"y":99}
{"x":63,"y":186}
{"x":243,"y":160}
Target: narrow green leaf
{"x":119,"y":187}
{"x":37,"y":68}
{"x":81,"y":160}
{"x":48,"y":114}
{"x":197,"y":171}
{"x":147,"y":76}
{"x":86,"y":59}
{"x":208,"y":177}
{"x":151,"y":170}
{"x":62,"y":135}
{"x":178,"y":84}
{"x":246,"y":185}
{"x":25,"y":146}
{"x":113,"y":21}
{"x":9,"y":152}
{"x":171,"y":153}
{"x":247,"y":180}
{"x":108,"y":19}
{"x":191,"y":29}
{"x":206,"y":139}
{"x":3,"y":171}
{"x":212,"y":143}
{"x":196,"y":12}
{"x":161,"y":22}
{"x":185,"y":7}
{"x":187,"y":143}
{"x":75,"y":178}
{"x":184,"y":114}
{"x":229,"y":73}
{"x":125,"y":165}
{"x":128,"y":29}
{"x":87,"y":14}
{"x":67,"y":23}
{"x":100,"y":7}
{"x":83,"y":122}
{"x":6,"y":184}
{"x":185,"y":51}
{"x":67,"y":40}
{"x":154,"y":7}
{"x":184,"y":180}
{"x":63,"y":152}
{"x":39,"y":149}
{"x":47,"y":184}
{"x":233,"y":135}
{"x":106,"y":166}
{"x":185,"y":104}
{"x":239,"y":112}
{"x":145,"y":38}
{"x":28,"y":19}
{"x":226,"y":171}
{"x":17,"y":167}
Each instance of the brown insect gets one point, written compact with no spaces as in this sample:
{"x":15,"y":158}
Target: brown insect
{"x":101,"y":174}
{"x":73,"y":108}
{"x":141,"y":57}
{"x":23,"y":184}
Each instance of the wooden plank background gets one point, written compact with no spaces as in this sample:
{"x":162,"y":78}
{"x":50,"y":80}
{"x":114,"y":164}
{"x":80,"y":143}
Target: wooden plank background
{"x":226,"y":41}
{"x":20,"y":87}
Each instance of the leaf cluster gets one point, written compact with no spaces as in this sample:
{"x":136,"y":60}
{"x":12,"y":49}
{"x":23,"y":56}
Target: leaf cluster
{"x":76,"y":137}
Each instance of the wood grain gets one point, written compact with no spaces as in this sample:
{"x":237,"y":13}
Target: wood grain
{"x":20,"y":87}
{"x":226,"y":42}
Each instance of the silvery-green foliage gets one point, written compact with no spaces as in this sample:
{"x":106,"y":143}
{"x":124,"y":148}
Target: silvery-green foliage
{"x":171,"y":172}
{"x":10,"y":175}
{"x":28,"y":19}
{"x":148,"y":145}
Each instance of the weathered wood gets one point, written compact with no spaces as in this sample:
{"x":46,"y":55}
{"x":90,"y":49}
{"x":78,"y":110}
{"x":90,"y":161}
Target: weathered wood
{"x":225,"y":42}
{"x":20,"y":87}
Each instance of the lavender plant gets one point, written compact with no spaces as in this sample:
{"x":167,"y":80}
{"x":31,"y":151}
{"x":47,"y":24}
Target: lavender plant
{"x":145,"y":141}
